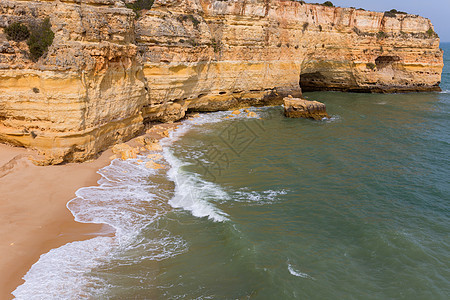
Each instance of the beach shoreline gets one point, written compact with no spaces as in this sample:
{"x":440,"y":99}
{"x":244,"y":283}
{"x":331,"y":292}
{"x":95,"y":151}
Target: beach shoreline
{"x":34,"y":217}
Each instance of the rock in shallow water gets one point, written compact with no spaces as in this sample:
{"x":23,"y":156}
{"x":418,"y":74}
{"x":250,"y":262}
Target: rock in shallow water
{"x":301,"y":108}
{"x":125,"y":151}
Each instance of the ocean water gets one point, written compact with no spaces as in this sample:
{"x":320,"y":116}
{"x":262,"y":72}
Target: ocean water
{"x":353,"y":207}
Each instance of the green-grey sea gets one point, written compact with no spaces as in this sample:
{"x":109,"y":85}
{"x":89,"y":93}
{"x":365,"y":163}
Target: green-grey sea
{"x":352,"y":207}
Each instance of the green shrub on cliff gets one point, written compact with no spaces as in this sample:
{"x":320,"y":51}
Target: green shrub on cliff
{"x":393,"y":13}
{"x":431,"y":33}
{"x":40,"y":39}
{"x":139,"y":5}
{"x":328,"y":3}
{"x":17,"y":32}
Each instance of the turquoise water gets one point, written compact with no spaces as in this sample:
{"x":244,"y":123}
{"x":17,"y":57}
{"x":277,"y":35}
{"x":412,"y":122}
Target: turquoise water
{"x":352,"y":208}
{"x":355,"y":207}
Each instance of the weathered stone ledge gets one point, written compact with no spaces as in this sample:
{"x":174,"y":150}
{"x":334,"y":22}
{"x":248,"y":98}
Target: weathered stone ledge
{"x":107,"y":73}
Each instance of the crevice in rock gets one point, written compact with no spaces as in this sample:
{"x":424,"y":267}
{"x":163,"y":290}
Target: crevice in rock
{"x":314,"y":81}
{"x":385,"y":60}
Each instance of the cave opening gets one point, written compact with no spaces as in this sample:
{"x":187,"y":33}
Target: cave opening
{"x":314,"y":81}
{"x":385,"y":60}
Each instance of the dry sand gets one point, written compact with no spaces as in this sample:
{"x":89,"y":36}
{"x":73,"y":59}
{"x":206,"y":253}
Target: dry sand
{"x":33,"y":214}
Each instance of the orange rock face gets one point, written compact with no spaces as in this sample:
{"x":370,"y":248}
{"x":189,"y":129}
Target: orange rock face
{"x":125,"y":151}
{"x":301,"y":108}
{"x":107,"y":73}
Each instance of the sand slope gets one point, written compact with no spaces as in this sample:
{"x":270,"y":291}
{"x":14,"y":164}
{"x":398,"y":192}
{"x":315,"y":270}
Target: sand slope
{"x":33,"y":213}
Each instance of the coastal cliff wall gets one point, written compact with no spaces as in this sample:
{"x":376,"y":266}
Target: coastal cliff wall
{"x":108,"y":73}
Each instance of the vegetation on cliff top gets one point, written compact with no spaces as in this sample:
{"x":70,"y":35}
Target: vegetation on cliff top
{"x":326,"y":3}
{"x":39,"y":38}
{"x":393,"y":13}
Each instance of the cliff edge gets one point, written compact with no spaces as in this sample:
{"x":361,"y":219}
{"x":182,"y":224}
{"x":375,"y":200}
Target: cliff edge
{"x":109,"y":71}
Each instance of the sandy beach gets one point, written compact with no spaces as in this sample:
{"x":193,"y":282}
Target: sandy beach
{"x":33,"y":214}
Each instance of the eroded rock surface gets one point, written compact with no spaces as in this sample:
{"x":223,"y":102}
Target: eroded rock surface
{"x":302,"y":108}
{"x":108,"y":73}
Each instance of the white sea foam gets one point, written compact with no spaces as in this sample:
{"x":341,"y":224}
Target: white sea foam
{"x":298,"y":273}
{"x":262,"y":197}
{"x":198,"y":196}
{"x":333,"y":118}
{"x":63,"y":273}
{"x":128,"y":201}
{"x":193,"y":193}
{"x":125,"y":200}
{"x":188,"y":124}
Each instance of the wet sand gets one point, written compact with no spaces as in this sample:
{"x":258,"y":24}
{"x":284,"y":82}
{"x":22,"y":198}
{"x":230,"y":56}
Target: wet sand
{"x":33,"y":214}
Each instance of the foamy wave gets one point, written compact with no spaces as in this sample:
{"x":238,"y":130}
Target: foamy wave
{"x":445,"y":92}
{"x":193,"y":193}
{"x":264,"y":197}
{"x":298,"y":273}
{"x":63,"y":273}
{"x":209,"y":118}
{"x":161,"y":246}
{"x":127,"y":200}
{"x":199,"y":196}
{"x":188,"y":124}
{"x":334,"y":118}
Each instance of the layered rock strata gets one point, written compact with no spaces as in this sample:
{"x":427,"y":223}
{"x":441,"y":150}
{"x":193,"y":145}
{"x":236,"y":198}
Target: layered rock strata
{"x":301,"y":108}
{"x":109,"y":73}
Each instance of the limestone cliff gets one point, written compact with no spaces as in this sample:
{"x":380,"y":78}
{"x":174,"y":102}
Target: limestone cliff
{"x":108,"y":73}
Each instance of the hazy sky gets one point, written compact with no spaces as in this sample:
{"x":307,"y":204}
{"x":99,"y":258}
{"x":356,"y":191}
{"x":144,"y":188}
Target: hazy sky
{"x":438,"y":11}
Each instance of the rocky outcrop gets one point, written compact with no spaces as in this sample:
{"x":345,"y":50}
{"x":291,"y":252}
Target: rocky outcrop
{"x":301,"y":108}
{"x":85,"y":94}
{"x":109,"y":73}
